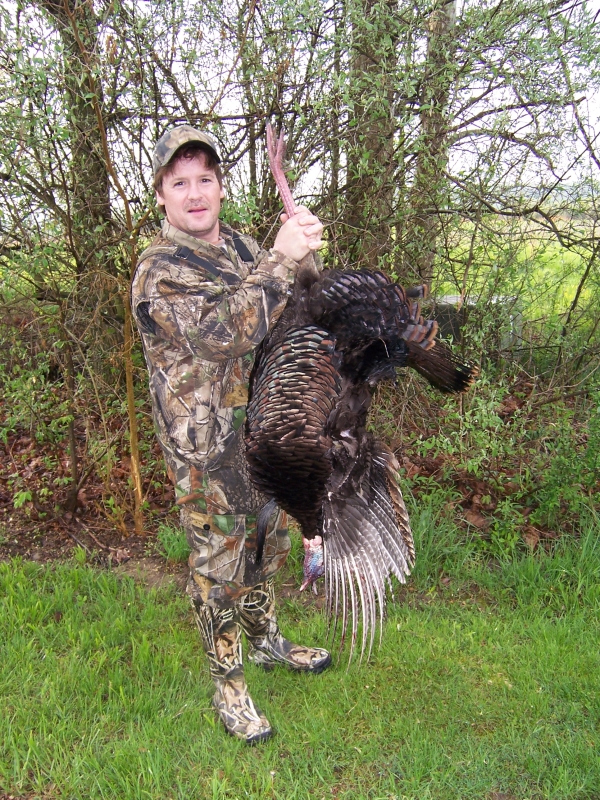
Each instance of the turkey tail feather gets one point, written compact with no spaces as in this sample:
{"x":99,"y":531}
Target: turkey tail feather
{"x":441,"y":367}
{"x":367,"y":538}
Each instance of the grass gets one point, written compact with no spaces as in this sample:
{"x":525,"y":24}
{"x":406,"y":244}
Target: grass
{"x":486,"y":685}
{"x":172,"y":544}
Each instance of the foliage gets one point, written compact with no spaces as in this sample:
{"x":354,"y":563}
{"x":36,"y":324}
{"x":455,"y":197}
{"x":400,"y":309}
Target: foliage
{"x":514,"y":461}
{"x":172,"y":543}
{"x":444,"y":143}
{"x":571,"y":480}
{"x":32,"y":400}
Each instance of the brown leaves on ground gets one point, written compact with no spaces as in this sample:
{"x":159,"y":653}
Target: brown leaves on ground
{"x":37,"y":476}
{"x":473,"y":517}
{"x":475,"y":499}
{"x":35,"y":479}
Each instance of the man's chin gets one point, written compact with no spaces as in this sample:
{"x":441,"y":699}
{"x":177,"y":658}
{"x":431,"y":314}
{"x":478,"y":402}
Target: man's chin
{"x":200,"y":232}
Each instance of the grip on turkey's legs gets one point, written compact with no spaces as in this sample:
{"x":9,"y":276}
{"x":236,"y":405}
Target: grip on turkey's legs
{"x":276,"y":152}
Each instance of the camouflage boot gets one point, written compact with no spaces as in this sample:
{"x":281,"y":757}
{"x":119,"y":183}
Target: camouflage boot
{"x":222,"y":641}
{"x":267,"y":645}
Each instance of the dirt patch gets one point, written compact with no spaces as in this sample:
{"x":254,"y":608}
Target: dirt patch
{"x":31,"y":796}
{"x":154,"y":572}
{"x":39,"y":519}
{"x":290,"y":590}
{"x":57,"y":540}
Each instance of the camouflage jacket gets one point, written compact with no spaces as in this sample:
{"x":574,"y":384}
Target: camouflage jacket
{"x":201,"y":311}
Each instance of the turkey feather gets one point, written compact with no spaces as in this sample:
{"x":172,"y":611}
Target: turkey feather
{"x":308,"y":449}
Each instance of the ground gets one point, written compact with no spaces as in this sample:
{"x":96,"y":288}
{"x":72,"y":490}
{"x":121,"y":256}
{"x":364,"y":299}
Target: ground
{"x":133,"y":556}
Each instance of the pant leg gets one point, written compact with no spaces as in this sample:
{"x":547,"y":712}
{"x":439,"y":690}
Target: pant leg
{"x":218,"y":513}
{"x":222,"y":565}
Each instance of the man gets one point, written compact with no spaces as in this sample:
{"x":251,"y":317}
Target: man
{"x":204,"y":297}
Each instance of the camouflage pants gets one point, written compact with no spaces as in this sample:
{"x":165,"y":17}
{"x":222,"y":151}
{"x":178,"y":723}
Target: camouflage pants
{"x":218,"y":513}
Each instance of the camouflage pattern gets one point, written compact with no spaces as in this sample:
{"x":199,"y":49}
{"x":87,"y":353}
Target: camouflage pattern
{"x":220,"y":630}
{"x":267,"y":644}
{"x":199,"y":332}
{"x":170,"y":142}
{"x":218,"y":514}
{"x":221,"y":639}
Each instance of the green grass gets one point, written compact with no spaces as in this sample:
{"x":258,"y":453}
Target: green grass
{"x":488,"y":683}
{"x":172,"y":544}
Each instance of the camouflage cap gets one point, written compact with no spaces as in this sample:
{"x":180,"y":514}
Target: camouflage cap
{"x":170,"y":142}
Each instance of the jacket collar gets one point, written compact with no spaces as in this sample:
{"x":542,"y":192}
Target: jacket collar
{"x":182,"y":239}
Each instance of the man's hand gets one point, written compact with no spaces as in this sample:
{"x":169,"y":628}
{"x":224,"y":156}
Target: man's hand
{"x":299,"y":235}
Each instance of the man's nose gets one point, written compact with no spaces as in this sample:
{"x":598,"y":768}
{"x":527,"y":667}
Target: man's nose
{"x":195,"y":191}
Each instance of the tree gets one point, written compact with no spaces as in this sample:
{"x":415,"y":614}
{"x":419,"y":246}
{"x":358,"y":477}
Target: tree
{"x":448,"y":146}
{"x":371,"y":96}
{"x":428,"y":192}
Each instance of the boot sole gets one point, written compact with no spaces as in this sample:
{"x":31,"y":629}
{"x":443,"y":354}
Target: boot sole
{"x":260,"y":737}
{"x":251,"y":740}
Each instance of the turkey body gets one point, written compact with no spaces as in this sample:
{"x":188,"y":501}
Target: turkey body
{"x":308,"y":449}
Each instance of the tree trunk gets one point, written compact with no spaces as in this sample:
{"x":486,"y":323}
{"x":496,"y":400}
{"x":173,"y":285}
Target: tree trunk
{"x":89,"y":210}
{"x":370,"y":147}
{"x":426,"y":198}
{"x":88,"y":193}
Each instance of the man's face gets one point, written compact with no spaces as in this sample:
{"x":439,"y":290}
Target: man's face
{"x":192,"y":198}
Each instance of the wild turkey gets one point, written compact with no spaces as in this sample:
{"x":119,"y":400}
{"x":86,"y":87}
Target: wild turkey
{"x":308,"y":449}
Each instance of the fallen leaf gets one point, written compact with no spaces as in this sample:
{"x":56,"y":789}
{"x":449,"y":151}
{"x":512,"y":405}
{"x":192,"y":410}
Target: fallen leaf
{"x":120,"y":555}
{"x":478,"y":520}
{"x":531,"y":537}
{"x":411,"y":469}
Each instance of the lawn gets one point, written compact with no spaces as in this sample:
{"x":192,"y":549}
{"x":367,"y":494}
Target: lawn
{"x":486,"y":685}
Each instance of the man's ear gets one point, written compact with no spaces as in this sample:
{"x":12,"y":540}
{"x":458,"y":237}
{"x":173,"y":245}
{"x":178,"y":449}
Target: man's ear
{"x":222,"y":194}
{"x":159,"y":198}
